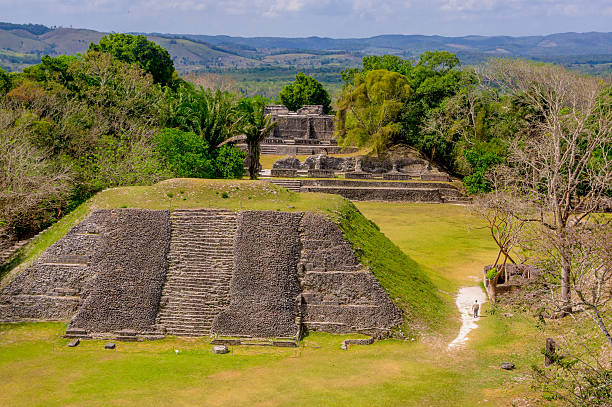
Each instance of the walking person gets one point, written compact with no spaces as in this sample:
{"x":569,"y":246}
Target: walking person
{"x":475,"y":308}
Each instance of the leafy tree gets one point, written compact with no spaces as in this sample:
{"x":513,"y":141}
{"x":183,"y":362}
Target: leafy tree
{"x":256,"y":127}
{"x":369,"y":110}
{"x":5,"y":82}
{"x":306,"y":90}
{"x":481,"y":161}
{"x":52,"y":69}
{"x":137,"y":49}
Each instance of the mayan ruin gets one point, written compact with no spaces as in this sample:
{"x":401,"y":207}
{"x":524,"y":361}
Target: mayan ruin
{"x":306,"y":203}
{"x":145,"y":274}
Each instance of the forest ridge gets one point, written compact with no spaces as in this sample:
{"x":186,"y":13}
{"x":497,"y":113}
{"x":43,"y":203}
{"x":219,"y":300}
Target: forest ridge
{"x":24,"y":44}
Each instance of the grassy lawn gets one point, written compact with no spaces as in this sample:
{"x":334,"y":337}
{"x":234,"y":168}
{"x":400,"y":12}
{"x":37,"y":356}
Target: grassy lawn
{"x":267,"y":161}
{"x":443,"y":241}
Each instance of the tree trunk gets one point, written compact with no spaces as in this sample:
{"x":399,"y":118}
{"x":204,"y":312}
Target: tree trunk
{"x":252,"y":167}
{"x":253,"y":161}
{"x":566,"y":306}
{"x":492,"y":290}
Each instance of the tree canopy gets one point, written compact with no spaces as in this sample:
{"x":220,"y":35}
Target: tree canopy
{"x":306,"y":90}
{"x":5,"y":82}
{"x":137,"y":49}
{"x":368,"y":111}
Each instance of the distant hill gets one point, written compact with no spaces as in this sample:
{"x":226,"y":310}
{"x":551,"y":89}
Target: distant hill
{"x":23,"y":44}
{"x":411,"y":46}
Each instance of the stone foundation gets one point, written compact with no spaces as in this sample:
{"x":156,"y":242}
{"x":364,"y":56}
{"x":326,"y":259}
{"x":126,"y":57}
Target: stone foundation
{"x":382,"y":194}
{"x":314,"y":173}
{"x":283,"y":172}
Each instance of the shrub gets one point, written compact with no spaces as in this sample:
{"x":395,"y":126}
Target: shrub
{"x":492,"y":273}
{"x":185,"y":153}
{"x":229,"y":162}
{"x":481,"y":162}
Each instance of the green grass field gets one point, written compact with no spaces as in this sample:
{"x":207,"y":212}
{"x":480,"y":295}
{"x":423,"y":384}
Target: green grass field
{"x":444,"y":242}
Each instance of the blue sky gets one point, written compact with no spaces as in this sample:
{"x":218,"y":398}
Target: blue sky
{"x":340,"y":18}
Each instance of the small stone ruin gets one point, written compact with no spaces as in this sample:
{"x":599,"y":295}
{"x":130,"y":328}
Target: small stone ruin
{"x":362,"y":167}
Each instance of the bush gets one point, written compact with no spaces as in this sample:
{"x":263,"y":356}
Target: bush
{"x":492,"y":273}
{"x":185,"y":153}
{"x":229,"y":162}
{"x":188,"y":155}
{"x":481,"y":162}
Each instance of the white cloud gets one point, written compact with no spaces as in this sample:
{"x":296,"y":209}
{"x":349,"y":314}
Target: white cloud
{"x":468,"y":5}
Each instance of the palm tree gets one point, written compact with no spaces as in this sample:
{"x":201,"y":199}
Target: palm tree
{"x":211,"y":114}
{"x":256,"y":126}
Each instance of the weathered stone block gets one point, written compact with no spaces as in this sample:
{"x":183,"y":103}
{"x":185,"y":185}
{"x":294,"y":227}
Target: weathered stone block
{"x":74,"y":343}
{"x":435,"y":177}
{"x":313,"y":173}
{"x":283,"y":172}
{"x":220,"y":349}
{"x":358,"y":175}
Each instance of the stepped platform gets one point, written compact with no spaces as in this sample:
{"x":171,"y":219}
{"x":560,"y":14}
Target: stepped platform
{"x":301,"y":149}
{"x":249,"y":277}
{"x":201,"y":263}
{"x":377,"y":190}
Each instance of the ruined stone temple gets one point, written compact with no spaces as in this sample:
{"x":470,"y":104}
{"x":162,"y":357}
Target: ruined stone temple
{"x":308,"y":123}
{"x":307,"y":131}
{"x":133,"y":273}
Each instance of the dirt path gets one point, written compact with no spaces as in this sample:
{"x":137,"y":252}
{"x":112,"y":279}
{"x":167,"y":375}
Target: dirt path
{"x":465,"y":300}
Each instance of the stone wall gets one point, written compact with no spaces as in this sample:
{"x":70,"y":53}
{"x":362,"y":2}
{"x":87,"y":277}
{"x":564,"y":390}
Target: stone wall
{"x":381,"y":194}
{"x":54,"y":286}
{"x":264,"y":287}
{"x":311,"y":109}
{"x":338,"y":182}
{"x":130,"y":268}
{"x":308,"y":123}
{"x":294,"y":126}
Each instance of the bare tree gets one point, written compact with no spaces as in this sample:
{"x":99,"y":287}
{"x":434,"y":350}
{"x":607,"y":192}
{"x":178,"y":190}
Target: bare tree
{"x":500,"y":210}
{"x":562,"y":167}
{"x":591,"y":271}
{"x":30,"y":185}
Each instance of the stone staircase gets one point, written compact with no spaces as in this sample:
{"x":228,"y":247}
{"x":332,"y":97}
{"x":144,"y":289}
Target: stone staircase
{"x":294,"y":185}
{"x":269,"y":149}
{"x":201,"y":262}
{"x":7,"y":254}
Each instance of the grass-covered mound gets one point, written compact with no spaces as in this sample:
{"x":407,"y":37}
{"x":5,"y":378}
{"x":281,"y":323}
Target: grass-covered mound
{"x":402,"y":278}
